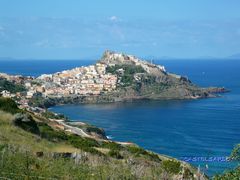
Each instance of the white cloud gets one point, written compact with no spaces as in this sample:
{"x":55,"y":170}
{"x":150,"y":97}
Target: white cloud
{"x":114,"y":19}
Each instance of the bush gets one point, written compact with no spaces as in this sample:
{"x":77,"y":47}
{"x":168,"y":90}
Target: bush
{"x":8,"y":105}
{"x":93,"y":129}
{"x":50,"y":134}
{"x":80,"y":142}
{"x":171,"y":166}
{"x":2,"y":147}
{"x":51,"y":115}
{"x":137,"y":151}
{"x":115,"y":154}
{"x":235,"y":173}
{"x":235,"y":155}
{"x":26,"y":122}
{"x":111,"y":146}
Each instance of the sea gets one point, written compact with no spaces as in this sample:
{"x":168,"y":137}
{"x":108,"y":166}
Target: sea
{"x":202,"y":132}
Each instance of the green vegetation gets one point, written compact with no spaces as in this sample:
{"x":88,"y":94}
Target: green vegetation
{"x":32,"y":147}
{"x":50,"y":134}
{"x":235,"y":155}
{"x":145,"y":84}
{"x":128,"y":69}
{"x":235,"y":173}
{"x":115,"y":154}
{"x":51,"y":115}
{"x":85,"y":144}
{"x":127,"y":76}
{"x":232,"y":174}
{"x":8,"y":105}
{"x":112,"y":146}
{"x":26,"y":122}
{"x":22,"y":164}
{"x":149,"y":79}
{"x":38,"y":101}
{"x":11,"y":87}
{"x":171,"y":166}
{"x":92,"y":129}
{"x":137,"y":151}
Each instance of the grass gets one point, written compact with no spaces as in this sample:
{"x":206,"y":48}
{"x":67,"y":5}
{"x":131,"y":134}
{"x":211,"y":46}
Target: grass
{"x":97,"y":160}
{"x":10,"y":134}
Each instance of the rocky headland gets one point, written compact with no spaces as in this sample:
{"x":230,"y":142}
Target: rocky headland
{"x":116,"y":77}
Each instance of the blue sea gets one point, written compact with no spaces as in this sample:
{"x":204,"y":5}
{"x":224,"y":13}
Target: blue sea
{"x":202,"y":132}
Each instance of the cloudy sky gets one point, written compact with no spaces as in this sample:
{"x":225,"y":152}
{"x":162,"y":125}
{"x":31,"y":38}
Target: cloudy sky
{"x":78,"y":29}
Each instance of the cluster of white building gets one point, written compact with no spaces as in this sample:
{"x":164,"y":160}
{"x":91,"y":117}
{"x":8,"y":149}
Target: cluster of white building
{"x":90,"y":80}
{"x":85,"y":80}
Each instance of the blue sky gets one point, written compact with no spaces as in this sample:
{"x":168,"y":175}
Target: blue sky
{"x":76,"y":29}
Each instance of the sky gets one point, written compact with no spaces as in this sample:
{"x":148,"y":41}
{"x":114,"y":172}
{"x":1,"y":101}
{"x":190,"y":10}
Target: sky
{"x":84,"y":29}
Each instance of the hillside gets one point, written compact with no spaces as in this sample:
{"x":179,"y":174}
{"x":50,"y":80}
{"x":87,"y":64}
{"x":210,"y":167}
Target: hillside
{"x":33,"y":147}
{"x":140,"y":79}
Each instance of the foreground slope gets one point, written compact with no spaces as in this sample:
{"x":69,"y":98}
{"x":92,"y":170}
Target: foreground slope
{"x":32,"y":147}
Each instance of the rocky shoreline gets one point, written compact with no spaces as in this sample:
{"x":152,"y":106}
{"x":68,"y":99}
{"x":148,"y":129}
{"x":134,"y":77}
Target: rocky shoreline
{"x":113,"y":97}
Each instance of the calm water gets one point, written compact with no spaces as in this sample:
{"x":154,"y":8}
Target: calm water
{"x":207,"y":127}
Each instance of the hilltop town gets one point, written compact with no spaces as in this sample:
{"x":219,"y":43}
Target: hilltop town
{"x":115,"y":77}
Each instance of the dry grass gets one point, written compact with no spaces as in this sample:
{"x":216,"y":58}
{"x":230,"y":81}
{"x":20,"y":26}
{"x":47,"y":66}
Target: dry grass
{"x":11,"y":134}
{"x":5,"y":118}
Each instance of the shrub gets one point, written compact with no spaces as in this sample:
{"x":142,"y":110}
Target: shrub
{"x":232,"y":174}
{"x":111,"y":146}
{"x":235,"y":155}
{"x":2,"y":147}
{"x":115,"y":154}
{"x":235,"y":173}
{"x":137,"y":151}
{"x":49,"y":114}
{"x":26,"y":122}
{"x":50,"y":134}
{"x":80,"y":142}
{"x":8,"y":105}
{"x":171,"y":166}
{"x":94,"y":129}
